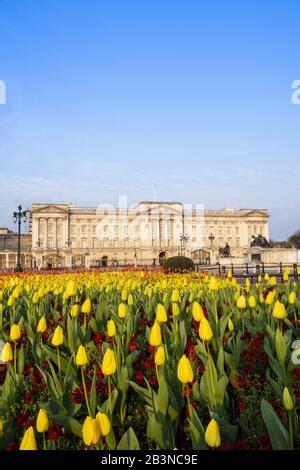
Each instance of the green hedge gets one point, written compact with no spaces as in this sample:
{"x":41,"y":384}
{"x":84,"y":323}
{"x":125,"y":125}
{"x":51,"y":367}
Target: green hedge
{"x":179,"y":264}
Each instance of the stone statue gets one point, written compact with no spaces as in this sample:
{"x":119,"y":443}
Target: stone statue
{"x":261,"y":241}
{"x":225,"y":252}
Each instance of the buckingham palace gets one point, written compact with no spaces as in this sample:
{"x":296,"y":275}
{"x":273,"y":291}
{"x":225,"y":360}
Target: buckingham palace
{"x":64,"y":235}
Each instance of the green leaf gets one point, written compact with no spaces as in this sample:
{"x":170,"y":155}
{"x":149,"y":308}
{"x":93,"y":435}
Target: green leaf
{"x":93,"y":398}
{"x":278,"y":434}
{"x":69,"y":423}
{"x":129,"y":441}
{"x":197,"y":432}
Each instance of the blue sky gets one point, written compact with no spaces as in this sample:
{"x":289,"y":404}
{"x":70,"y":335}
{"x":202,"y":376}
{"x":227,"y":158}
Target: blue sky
{"x":105,"y":97}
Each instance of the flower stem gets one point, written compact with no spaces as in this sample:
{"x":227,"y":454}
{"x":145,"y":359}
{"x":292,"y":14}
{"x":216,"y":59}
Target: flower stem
{"x":85,"y":393}
{"x":15,"y":358}
{"x":58,"y":364}
{"x":291,"y":430}
{"x":44,"y":441}
{"x":157,"y":374}
{"x":109,"y":394}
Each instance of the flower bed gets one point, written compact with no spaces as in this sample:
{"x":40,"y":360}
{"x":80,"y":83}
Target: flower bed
{"x":148,"y":360}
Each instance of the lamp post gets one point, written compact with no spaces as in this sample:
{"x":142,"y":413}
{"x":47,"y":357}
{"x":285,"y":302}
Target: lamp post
{"x":183,"y":239}
{"x":19,"y":217}
{"x":211,"y":239}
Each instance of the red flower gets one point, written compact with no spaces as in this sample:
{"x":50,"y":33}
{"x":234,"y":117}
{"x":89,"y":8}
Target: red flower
{"x":77,"y":396}
{"x":296,"y":373}
{"x":149,"y":364}
{"x":54,"y":432}
{"x":27,"y":397}
{"x":12,"y":446}
{"x":153,"y":381}
{"x":139,"y":376}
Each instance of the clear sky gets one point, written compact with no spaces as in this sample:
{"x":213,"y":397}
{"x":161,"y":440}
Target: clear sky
{"x":104,"y":97}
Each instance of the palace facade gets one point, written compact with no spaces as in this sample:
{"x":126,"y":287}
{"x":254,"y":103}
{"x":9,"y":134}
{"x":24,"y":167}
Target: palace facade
{"x":64,"y":235}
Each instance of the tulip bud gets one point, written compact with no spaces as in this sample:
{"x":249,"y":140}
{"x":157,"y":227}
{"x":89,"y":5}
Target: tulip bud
{"x":122,"y":310}
{"x":1,"y":295}
{"x":161,"y":315}
{"x":70,"y":289}
{"x":252,"y":301}
{"x":81,"y":357}
{"x":155,"y":335}
{"x":270,"y":297}
{"x":159,"y":357}
{"x":42,"y":422}
{"x":184,"y":370}
{"x":273,"y":281}
{"x":212,"y":434}
{"x":292,"y":298}
{"x":259,"y":278}
{"x":205,"y":331}
{"x":86,"y":307}
{"x":197,"y":311}
{"x":279,"y":311}
{"x":175,"y":309}
{"x":88,"y":430}
{"x":230,"y":325}
{"x":74,"y":310}
{"x":109,"y":365}
{"x":103,"y":423}
{"x":175,"y":296}
{"x":7,"y":353}
{"x":130,"y":299}
{"x":28,"y":441}
{"x":35,"y":298}
{"x":287,"y":400}
{"x":58,"y":337}
{"x":10,"y":301}
{"x":241,"y":302}
{"x":229,"y":274}
{"x":261,"y":299}
{"x":15,"y":332}
{"x":124,"y":295}
{"x":1,"y":424}
{"x":111,"y":328}
{"x":42,"y":325}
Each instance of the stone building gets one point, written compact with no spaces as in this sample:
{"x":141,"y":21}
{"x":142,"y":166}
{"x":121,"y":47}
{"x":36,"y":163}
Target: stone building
{"x":64,"y":235}
{"x":9,"y":247}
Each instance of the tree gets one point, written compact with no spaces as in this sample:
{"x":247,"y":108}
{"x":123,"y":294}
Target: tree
{"x":295,"y":239}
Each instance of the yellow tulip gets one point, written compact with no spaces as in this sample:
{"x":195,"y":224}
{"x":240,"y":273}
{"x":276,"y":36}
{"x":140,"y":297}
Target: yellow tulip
{"x":155,"y":335}
{"x":272,"y":281}
{"x":252,"y":301}
{"x":42,"y":325}
{"x":42,"y":422}
{"x":111,"y":328}
{"x":16,"y":292}
{"x":292,"y":298}
{"x":175,"y":309}
{"x":74,"y":310}
{"x":159,"y":357}
{"x":212,"y":434}
{"x":287,"y":400}
{"x":7,"y":353}
{"x":81,"y":357}
{"x":15,"y":332}
{"x":124,"y":295}
{"x":109,"y":365}
{"x":104,"y":423}
{"x":122,"y":310}
{"x":184,"y":370}
{"x":197,"y":311}
{"x":130,"y":299}
{"x":229,"y":274}
{"x":88,"y":430}
{"x":161,"y":315}
{"x":270,"y":297}
{"x":230,"y":325}
{"x":241,"y":302}
{"x":10,"y":301}
{"x":28,"y":441}
{"x":1,"y":295}
{"x":279,"y":311}
{"x":35,"y":298}
{"x":58,"y":337}
{"x":205,"y":331}
{"x":1,"y":424}
{"x":86,"y":307}
{"x":175,"y":296}
{"x":267,"y":277}
{"x":261,"y":299}
{"x":70,"y":289}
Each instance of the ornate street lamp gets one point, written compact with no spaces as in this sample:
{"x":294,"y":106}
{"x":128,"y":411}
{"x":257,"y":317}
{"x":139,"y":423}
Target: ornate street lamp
{"x":183,"y":239}
{"x":18,"y":217}
{"x":211,"y":239}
